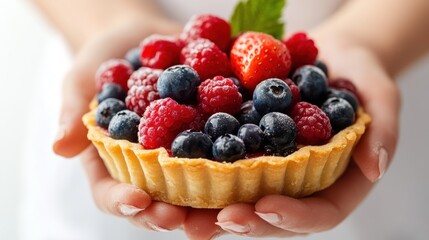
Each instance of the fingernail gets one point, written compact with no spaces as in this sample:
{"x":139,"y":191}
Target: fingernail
{"x":157,"y":228}
{"x":216,"y":234}
{"x":128,"y":210}
{"x":61,"y":133}
{"x":383,"y":159}
{"x":272,"y":218}
{"x":234,"y":227}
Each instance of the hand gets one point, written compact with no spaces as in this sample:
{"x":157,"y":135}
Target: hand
{"x":283,"y":216}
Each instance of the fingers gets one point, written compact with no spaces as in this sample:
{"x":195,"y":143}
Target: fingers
{"x":319,"y":212}
{"x":241,"y":219}
{"x":200,"y":224}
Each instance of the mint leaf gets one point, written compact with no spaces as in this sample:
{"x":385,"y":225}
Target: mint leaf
{"x":259,"y":16}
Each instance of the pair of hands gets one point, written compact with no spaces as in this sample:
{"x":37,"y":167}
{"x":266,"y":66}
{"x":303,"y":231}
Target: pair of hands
{"x":273,"y":215}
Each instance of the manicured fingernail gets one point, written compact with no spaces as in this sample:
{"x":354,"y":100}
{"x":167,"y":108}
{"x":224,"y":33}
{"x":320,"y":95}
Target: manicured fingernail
{"x":383,"y":159}
{"x":61,"y":133}
{"x":272,"y":218}
{"x":157,"y":228}
{"x":128,"y":210}
{"x":234,"y":227}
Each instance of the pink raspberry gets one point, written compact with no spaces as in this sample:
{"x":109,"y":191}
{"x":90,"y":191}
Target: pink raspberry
{"x":159,"y":52}
{"x":209,"y":27}
{"x":219,"y":95}
{"x":314,"y":127}
{"x":139,"y":97}
{"x":162,"y":121}
{"x":296,"y":97}
{"x":206,"y":58}
{"x":302,"y":49}
{"x":144,"y":76}
{"x":113,"y":71}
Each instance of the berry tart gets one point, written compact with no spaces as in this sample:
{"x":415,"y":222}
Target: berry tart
{"x":214,"y":120}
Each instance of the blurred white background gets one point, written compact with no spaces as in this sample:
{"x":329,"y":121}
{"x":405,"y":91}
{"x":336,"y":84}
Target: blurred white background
{"x":23,"y":41}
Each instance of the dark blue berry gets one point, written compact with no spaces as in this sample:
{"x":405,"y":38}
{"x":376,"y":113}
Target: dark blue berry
{"x":106,"y":110}
{"x":133,"y":57}
{"x":346,"y":95}
{"x":220,"y":124}
{"x":178,"y":82}
{"x":246,"y":95}
{"x":248,"y":114}
{"x":272,"y":95}
{"x":322,"y":66}
{"x":312,"y":84}
{"x":228,"y":148}
{"x":111,"y":90}
{"x":124,"y":125}
{"x":252,"y":136}
{"x":280,"y":133}
{"x":189,"y":144}
{"x":340,"y":113}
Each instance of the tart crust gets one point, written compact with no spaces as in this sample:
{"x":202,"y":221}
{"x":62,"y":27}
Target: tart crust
{"x":202,"y":183}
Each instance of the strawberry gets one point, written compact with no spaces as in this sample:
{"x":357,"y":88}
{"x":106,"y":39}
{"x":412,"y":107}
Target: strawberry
{"x":258,"y":56}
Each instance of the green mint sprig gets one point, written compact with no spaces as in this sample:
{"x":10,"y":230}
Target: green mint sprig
{"x":259,"y":16}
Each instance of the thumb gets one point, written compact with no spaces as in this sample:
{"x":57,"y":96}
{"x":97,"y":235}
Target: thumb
{"x":78,"y":90}
{"x":378,"y":145}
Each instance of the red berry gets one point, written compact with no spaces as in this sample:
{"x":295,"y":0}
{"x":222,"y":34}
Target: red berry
{"x":139,"y":97}
{"x":113,"y":71}
{"x":159,"y":52}
{"x":302,"y":49}
{"x":206,"y":58}
{"x":296,"y":97}
{"x":144,"y":76}
{"x":162,"y":121}
{"x":314,"y":127}
{"x":209,"y":27}
{"x":258,"y":56}
{"x":219,"y":95}
{"x":344,"y":84}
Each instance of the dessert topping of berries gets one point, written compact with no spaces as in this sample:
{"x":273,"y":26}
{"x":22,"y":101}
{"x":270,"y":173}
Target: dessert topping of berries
{"x":111,"y":90}
{"x":248,"y":113}
{"x":314,"y":127}
{"x":312,"y":84}
{"x":189,"y":144}
{"x":113,"y":71}
{"x":144,"y":76}
{"x":340,"y":113}
{"x":206,"y":58}
{"x":272,"y":95}
{"x":302,"y":49}
{"x":209,"y":27}
{"x":219,"y":95}
{"x":106,"y":110}
{"x":280,"y":133}
{"x":124,"y":125}
{"x":162,"y":121}
{"x":133,"y":57}
{"x":220,"y":124}
{"x":228,"y":148}
{"x":252,"y":136}
{"x":258,"y":56}
{"x":159,"y":52}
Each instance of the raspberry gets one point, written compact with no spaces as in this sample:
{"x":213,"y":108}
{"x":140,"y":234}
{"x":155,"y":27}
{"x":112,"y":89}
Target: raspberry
{"x":219,"y":95}
{"x":113,"y":71}
{"x":159,"y":52}
{"x":139,"y":97}
{"x":302,"y":49}
{"x":209,"y":27}
{"x":144,"y":76}
{"x":314,"y":127}
{"x":206,"y":58}
{"x":344,"y":84}
{"x":162,"y":121}
{"x":296,"y":97}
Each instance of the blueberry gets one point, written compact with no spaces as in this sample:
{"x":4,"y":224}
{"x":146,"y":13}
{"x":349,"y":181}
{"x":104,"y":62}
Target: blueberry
{"x":340,"y":113}
{"x":272,"y":95}
{"x":178,"y":82}
{"x":106,"y":110}
{"x":228,"y":148}
{"x":252,"y":136}
{"x":280,"y":133}
{"x":133,"y":57}
{"x":322,"y":66}
{"x":246,"y":95}
{"x":312,"y":84}
{"x":189,"y":144}
{"x":248,"y":114}
{"x":124,"y":125}
{"x":220,"y":124}
{"x":111,"y":90}
{"x":346,"y":95}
